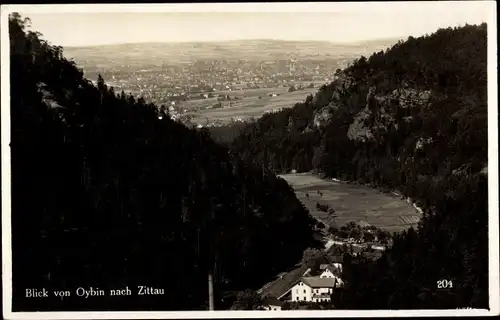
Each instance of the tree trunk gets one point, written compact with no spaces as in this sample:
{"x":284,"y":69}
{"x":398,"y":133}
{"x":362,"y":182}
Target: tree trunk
{"x":210,"y":292}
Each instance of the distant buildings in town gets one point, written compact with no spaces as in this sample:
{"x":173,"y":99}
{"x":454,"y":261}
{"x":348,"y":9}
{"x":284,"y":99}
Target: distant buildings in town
{"x":163,"y":83}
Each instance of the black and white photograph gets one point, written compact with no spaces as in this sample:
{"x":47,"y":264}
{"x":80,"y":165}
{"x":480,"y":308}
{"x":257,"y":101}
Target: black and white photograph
{"x":218,"y":160}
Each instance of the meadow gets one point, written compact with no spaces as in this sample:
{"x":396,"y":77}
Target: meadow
{"x":351,"y":202}
{"x":250,"y":105}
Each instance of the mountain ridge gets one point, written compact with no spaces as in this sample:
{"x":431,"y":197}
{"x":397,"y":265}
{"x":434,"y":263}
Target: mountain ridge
{"x":412,"y":118}
{"x":245,"y":41}
{"x":237,"y":49}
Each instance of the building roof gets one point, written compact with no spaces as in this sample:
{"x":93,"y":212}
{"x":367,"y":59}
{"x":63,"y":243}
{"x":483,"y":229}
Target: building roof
{"x":333,"y":269}
{"x":282,"y":284}
{"x":330,"y":267}
{"x":316,"y":282}
{"x":286,"y":280}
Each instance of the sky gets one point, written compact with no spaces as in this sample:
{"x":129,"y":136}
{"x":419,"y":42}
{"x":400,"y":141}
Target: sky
{"x":87,"y":25}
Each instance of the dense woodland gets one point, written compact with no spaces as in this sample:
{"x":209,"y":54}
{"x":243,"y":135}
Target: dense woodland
{"x":412,"y":118}
{"x":108,"y":192}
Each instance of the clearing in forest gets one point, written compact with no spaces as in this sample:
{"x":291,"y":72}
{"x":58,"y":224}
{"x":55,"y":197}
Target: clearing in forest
{"x":356,"y":203}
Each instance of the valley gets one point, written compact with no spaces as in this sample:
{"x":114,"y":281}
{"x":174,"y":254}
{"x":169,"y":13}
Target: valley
{"x":272,"y":175}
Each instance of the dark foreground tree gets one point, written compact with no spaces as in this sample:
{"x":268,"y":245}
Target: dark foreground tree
{"x":247,"y":300}
{"x":108,"y":192}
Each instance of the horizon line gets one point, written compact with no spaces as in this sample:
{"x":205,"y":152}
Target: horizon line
{"x":236,"y":40}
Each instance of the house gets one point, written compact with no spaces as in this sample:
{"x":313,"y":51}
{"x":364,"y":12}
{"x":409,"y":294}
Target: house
{"x":280,"y":287}
{"x":314,"y":289}
{"x":302,"y":285}
{"x":330,"y":270}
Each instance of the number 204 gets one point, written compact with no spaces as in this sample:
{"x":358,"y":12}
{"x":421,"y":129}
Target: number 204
{"x":444,"y":284}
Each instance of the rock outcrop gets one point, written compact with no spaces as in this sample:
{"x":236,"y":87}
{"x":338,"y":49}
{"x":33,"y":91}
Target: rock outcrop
{"x":406,"y":98}
{"x":47,"y":97}
{"x":377,"y":115}
{"x":323,"y":115}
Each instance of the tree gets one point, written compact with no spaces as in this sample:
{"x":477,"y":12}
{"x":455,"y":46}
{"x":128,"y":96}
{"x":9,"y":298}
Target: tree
{"x":382,"y":236}
{"x":312,"y":258}
{"x":355,"y":233}
{"x":333,"y":230}
{"x":102,"y":209}
{"x":368,"y":236}
{"x":342,"y":234}
{"x":247,"y":300}
{"x":317,"y":159}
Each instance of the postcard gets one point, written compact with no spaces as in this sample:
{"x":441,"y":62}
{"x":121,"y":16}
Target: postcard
{"x":249,"y":160}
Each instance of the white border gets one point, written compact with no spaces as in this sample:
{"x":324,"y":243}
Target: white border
{"x":341,"y":7}
{"x":493,"y":224}
{"x":494,"y":286}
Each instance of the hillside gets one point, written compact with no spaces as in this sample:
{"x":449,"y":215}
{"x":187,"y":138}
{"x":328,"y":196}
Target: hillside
{"x":412,"y":118}
{"x":232,"y":50}
{"x":108,"y":193}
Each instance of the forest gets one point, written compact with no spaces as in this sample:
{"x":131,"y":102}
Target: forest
{"x":109,"y":192}
{"x":412,"y":118}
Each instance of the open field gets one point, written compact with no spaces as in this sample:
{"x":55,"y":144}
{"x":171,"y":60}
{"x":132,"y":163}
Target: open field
{"x":257,"y":50}
{"x":360,"y":204}
{"x":249,"y":106}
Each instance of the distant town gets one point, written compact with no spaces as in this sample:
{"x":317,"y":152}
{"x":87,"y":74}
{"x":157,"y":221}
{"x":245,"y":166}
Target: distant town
{"x":172,"y":85}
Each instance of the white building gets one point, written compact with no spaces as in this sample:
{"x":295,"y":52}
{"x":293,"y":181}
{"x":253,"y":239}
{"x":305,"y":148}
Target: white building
{"x":302,"y":285}
{"x":316,"y":288}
